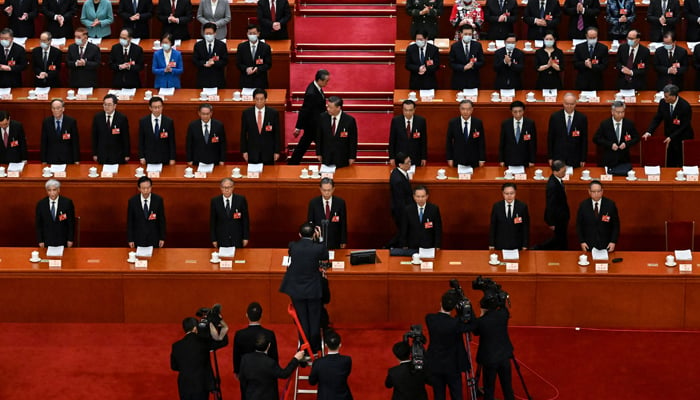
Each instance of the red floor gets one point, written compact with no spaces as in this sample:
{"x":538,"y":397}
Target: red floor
{"x":344,"y":30}
{"x":345,"y":77}
{"x":371,"y":127}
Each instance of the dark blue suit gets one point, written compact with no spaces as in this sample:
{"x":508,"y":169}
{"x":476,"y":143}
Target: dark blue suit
{"x":331,"y":374}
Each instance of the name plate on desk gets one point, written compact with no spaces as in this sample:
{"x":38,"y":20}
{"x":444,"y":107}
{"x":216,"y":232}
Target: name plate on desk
{"x":154,"y":174}
{"x":106,"y":174}
{"x":594,"y":99}
{"x":470,"y":98}
{"x":550,"y":99}
{"x":253,"y":175}
{"x":606,"y":177}
{"x":601,"y":267}
{"x":327,"y":175}
{"x":200,"y":175}
{"x":7,"y":96}
{"x":691,"y":178}
{"x":42,"y":96}
{"x":141,"y":264}
{"x":59,"y":174}
{"x":13,"y":174}
{"x":55,"y":264}
{"x":506,"y":99}
{"x":338,"y":265}
{"x":82,"y":97}
{"x":685,"y":267}
{"x":125,"y":97}
{"x":226,"y":264}
{"x":630,"y":100}
{"x":511,"y":267}
{"x":214,"y":97}
{"x":653,"y":178}
{"x":426,"y":266}
{"x":520,"y":177}
{"x":465,"y":177}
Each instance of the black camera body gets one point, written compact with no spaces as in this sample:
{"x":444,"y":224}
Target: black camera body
{"x":208,"y":316}
{"x":417,"y":347}
{"x":464,"y":306}
{"x":494,"y":296}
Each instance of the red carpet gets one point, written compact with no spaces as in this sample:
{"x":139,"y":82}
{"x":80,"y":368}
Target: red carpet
{"x":345,"y":77}
{"x":344,"y":30}
{"x":371,"y":127}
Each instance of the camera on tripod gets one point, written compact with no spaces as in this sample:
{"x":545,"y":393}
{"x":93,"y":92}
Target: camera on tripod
{"x":464,"y":306}
{"x":494,"y":296}
{"x":417,"y":347}
{"x":208,"y":316}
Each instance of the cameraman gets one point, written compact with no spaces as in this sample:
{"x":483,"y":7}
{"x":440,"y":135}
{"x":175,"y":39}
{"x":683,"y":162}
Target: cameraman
{"x":408,"y":382}
{"x":446,"y":357}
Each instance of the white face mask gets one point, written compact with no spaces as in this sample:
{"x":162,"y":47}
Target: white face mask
{"x":5,"y":43}
{"x":253,"y":38}
{"x":549,"y":43}
{"x":79,"y":42}
{"x":420,"y":43}
{"x":466,"y":38}
{"x":44,"y":46}
{"x":592,"y":42}
{"x":124,"y":42}
{"x":630,"y":43}
{"x":510,"y":46}
{"x":668,"y":46}
{"x":166,"y":46}
{"x":209,"y":38}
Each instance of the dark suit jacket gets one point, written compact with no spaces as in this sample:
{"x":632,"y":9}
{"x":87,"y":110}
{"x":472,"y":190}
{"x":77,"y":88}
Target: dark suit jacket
{"x":67,"y":8}
{"x":63,"y":147}
{"x":244,"y":343}
{"x":691,"y":11}
{"x":427,"y":233}
{"x":696,"y":63}
{"x":214,"y":76}
{"x":283,"y":14}
{"x":142,"y":230}
{"x":556,"y":210}
{"x":140,"y":28}
{"x":672,"y":13}
{"x":401,"y":194}
{"x":570,"y":147}
{"x":157,"y":149}
{"x":416,"y":146}
{"x":525,"y":150}
{"x":331,"y":374}
{"x":552,"y":16}
{"x":682,"y":114}
{"x":590,"y":78}
{"x":16,"y":149}
{"x":494,"y":343}
{"x":432,"y":65}
{"x":22,"y":28}
{"x":408,"y":384}
{"x":591,"y":9}
{"x":212,"y":152}
{"x":339,"y":147}
{"x":190,"y":357}
{"x":462,"y":79}
{"x":605,"y":136}
{"x":640,"y":66}
{"x":17,"y":61}
{"x":549,"y":78}
{"x":492,"y":11}
{"x":338,"y":224}
{"x":662,"y":64}
{"x":110,"y":144}
{"x":60,"y":231}
{"x":261,"y":146}
{"x":510,"y":233}
{"x":465,"y":151}
{"x":508,"y":76}
{"x":598,"y":232}
{"x":302,"y":280}
{"x":259,"y":374}
{"x":126,"y":78}
{"x":446,"y":352}
{"x":310,"y":113}
{"x":52,"y":67}
{"x":85,"y":76}
{"x":229,"y":229}
{"x":183,"y":11}
{"x":263,"y":61}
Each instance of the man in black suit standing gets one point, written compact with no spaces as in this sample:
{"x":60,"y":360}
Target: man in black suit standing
{"x":501,"y":16}
{"x":60,"y":143}
{"x":59,"y":16}
{"x":408,"y":383}
{"x":401,"y":193}
{"x":615,"y":136}
{"x":46,"y":62}
{"x":541,"y":16}
{"x":510,"y":222}
{"x":597,"y":221}
{"x":409,"y":135}
{"x":273,"y":17}
{"x":466,"y":58}
{"x":21,"y":15}
{"x":568,"y":134}
{"x":466,"y":139}
{"x":632,"y":63}
{"x":518,"y":144}
{"x":307,"y":121}
{"x":260,"y":132}
{"x":332,"y":371}
{"x":582,"y":14}
{"x":175,"y":15}
{"x":13,"y":142}
{"x":13,"y":60}
{"x":135,"y":15}
{"x":556,"y":209}
{"x":328,"y":213}
{"x":670,"y":62}
{"x":421,"y":224}
{"x":691,"y":11}
{"x":662,"y":16}
{"x":509,"y":64}
{"x":210,"y":57}
{"x":145,"y":217}
{"x":337,"y":135}
{"x":229,"y":223}
{"x":423,"y":62}
{"x":55,"y":218}
{"x":302,"y":282}
{"x":126,"y":61}
{"x":83,"y":59}
{"x":424,"y":16}
{"x":156,"y":135}
{"x":206,"y":139}
{"x":677,"y":117}
{"x":244,"y":339}
{"x":110,"y":134}
{"x":254,"y":59}
{"x":591,"y":61}
{"x":259,"y":372}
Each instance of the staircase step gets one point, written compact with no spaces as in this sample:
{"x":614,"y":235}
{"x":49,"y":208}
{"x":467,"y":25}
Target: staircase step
{"x":349,"y":29}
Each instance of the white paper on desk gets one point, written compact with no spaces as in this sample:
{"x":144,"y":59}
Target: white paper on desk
{"x":471,"y":92}
{"x":58,"y":168}
{"x":42,"y":90}
{"x":690,"y":170}
{"x":465,"y":169}
{"x":549,"y":92}
{"x":128,"y":92}
{"x":569,"y":170}
{"x":427,"y":93}
{"x":5,"y":91}
{"x":577,"y":42}
{"x":54,"y":251}
{"x":654,"y":45}
{"x":331,"y":255}
{"x":210,"y":91}
{"x":588,"y":94}
{"x":136,"y":41}
{"x":247,"y":92}
{"x":207,"y":168}
{"x":95,"y":41}
{"x":627,"y":92}
{"x":15,"y":166}
{"x":516,"y":169}
{"x":115,"y":92}
{"x":144,"y":251}
{"x":111,"y":168}
{"x":327,"y":169}
{"x":178,"y":43}
{"x":228,"y":252}
{"x":507,"y":92}
{"x":255,"y":168}
{"x":500,"y":44}
{"x":691,"y":45}
{"x":652,"y":170}
{"x":426,"y":253}
{"x":511,"y":254}
{"x":166,"y":91}
{"x":683,"y":255}
{"x":87,"y":91}
{"x":22,"y":41}
{"x":598,"y":254}
{"x":286,"y":261}
{"x":412,"y":169}
{"x":313,"y":168}
{"x":539,"y":43}
{"x":58,"y":42}
{"x":154,"y":167}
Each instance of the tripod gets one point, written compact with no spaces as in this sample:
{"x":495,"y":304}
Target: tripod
{"x":217,"y":376}
{"x":472,"y":379}
{"x":517,"y":369}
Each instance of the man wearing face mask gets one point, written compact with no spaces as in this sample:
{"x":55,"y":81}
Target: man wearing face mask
{"x":82,"y":60}
{"x":509,"y":64}
{"x":671,"y":63}
{"x":254,"y":59}
{"x":126,"y":60}
{"x":46,"y":61}
{"x":423,"y":61}
{"x":590,"y":60}
{"x":632,"y":63}
{"x":13,"y":60}
{"x":210,"y":57}
{"x":466,"y":58}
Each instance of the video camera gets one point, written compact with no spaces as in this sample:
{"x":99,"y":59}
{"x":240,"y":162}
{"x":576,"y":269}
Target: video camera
{"x":208,"y":316}
{"x":464,"y":306}
{"x":417,"y":347}
{"x":494,"y":296}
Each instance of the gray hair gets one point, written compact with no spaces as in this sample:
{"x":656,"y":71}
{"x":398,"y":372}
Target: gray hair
{"x":52,"y":183}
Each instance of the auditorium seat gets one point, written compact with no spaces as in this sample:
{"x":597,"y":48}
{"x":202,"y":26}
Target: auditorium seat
{"x":653,"y":152}
{"x":680,"y":235}
{"x":691,"y":152}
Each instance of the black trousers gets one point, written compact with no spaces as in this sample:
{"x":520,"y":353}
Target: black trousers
{"x":309,"y":314}
{"x":504,"y":373}
{"x":452,"y":381}
{"x":559,"y":240}
{"x":674,"y":153}
{"x":300,"y":150}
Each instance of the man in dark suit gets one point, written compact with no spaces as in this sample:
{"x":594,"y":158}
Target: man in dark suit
{"x":337,"y":135}
{"x":259,"y":372}
{"x":632,"y":63}
{"x":229,"y":223}
{"x":55,"y":218}
{"x":408,"y":383}
{"x":510,"y":222}
{"x":597,"y":221}
{"x":466,"y":58}
{"x":310,"y":113}
{"x":175,"y":15}
{"x":591,"y":61}
{"x":13,"y":60}
{"x":541,"y":16}
{"x":466,"y":139}
{"x":509,"y":63}
{"x":329,"y":210}
{"x":424,"y":16}
{"x":254,"y":59}
{"x":662,"y":16}
{"x":21,"y":15}
{"x":423,"y":62}
{"x":59,"y":16}
{"x":46,"y":62}
{"x":556,"y":209}
{"x":260,"y":131}
{"x":696,"y":63}
{"x":302,"y":282}
{"x":582,"y":14}
{"x":145,"y":217}
{"x":60,"y":142}
{"x":210,"y":57}
{"x":331,"y":372}
{"x":615,"y":136}
{"x":206,"y":139}
{"x":671,"y":63}
{"x":676,"y":114}
{"x":691,"y":11}
{"x":110,"y":134}
{"x":501,"y":16}
{"x":273,"y":17}
{"x":13,"y":142}
{"x":136,"y":19}
{"x":568,"y":134}
{"x":83,"y":60}
{"x":409,"y":135}
{"x":156,"y":135}
{"x":446,"y":357}
{"x":244,"y":339}
{"x":421,"y":224}
{"x":401,"y":193}
{"x":126,"y":61}
{"x":518,"y":138}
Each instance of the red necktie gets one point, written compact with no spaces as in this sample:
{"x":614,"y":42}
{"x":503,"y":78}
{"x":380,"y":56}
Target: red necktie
{"x":273,"y":11}
{"x":5,"y":136}
{"x":172,"y":7}
{"x":260,"y":121}
{"x":408,"y":129}
{"x":328,"y":210}
{"x":333,"y":127}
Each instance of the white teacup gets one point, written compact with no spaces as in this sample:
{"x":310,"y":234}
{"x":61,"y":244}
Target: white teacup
{"x":156,"y":43}
{"x":441,"y":173}
{"x":139,"y":171}
{"x":46,"y":171}
{"x":531,"y":96}
{"x":305,"y":173}
{"x":586,"y":174}
{"x":71,"y":93}
{"x":188,"y":171}
{"x":132,"y":256}
{"x":460,"y":96}
{"x":680,"y":175}
{"x":618,"y":97}
{"x":93,"y":171}
{"x":631,"y":174}
{"x":32,"y":94}
{"x":236,"y":95}
{"x":214,"y":256}
{"x":412,"y":96}
{"x":492,"y":45}
{"x":670,"y":260}
{"x":495,"y":96}
{"x":236,"y":172}
{"x":583,"y":259}
{"x":658,"y":97}
{"x":538,"y":173}
{"x":35,"y":255}
{"x":2,"y":171}
{"x":415,"y":259}
{"x":148,"y":94}
{"x":493,"y":258}
{"x":509,"y":174}
{"x":528,"y":45}
{"x":203,"y":96}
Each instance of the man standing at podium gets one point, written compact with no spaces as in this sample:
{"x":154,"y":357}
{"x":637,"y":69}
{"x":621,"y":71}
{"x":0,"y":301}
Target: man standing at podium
{"x":156,"y":135}
{"x":421,"y":225}
{"x":126,"y":61}
{"x":260,"y":131}
{"x":83,"y":60}
{"x":568,"y":134}
{"x":210,"y":57}
{"x":597,"y":221}
{"x":59,"y":137}
{"x":328,"y":213}
{"x":510,"y":222}
{"x":228,"y":222}
{"x":55,"y":218}
{"x":110,"y":134}
{"x":409,"y":135}
{"x":145,"y":217}
{"x":206,"y":139}
{"x":254,"y":59}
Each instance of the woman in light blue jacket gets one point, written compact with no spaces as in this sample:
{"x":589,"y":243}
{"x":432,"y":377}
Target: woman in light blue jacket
{"x":167,"y":64}
{"x":97,"y":17}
